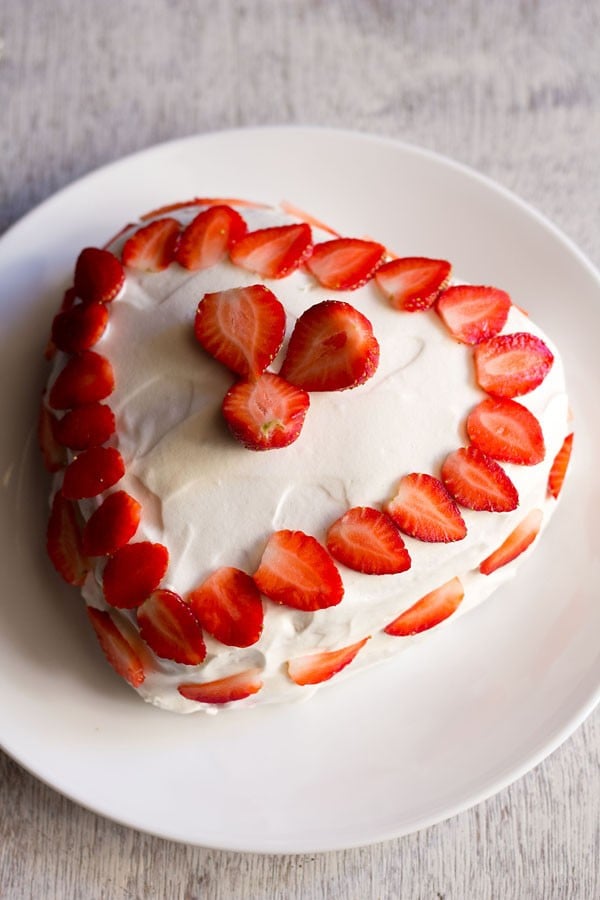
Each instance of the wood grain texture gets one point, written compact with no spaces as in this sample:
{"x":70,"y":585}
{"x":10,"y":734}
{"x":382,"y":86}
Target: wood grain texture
{"x":511,"y":88}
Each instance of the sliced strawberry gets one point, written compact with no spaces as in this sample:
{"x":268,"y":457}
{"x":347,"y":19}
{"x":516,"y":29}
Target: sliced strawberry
{"x":474,"y":313}
{"x":331,"y":348}
{"x":63,"y":542}
{"x":225,"y":690}
{"x":242,"y":328}
{"x":92,"y":472}
{"x":297,"y":571}
{"x":559,"y":467}
{"x":68,"y":300}
{"x":152,"y":247}
{"x":112,"y":525}
{"x":516,"y":543}
{"x":53,"y":454}
{"x":50,"y":350}
{"x":86,"y":378}
{"x":228,"y":606}
{"x":133,"y":572}
{"x":273,"y":252}
{"x":423,"y":509}
{"x":345,"y":264}
{"x":119,"y":652}
{"x":317,"y":667}
{"x":477,"y":482}
{"x":80,"y":327}
{"x":413,"y":282}
{"x":170,"y":628}
{"x":509,"y":365}
{"x":430,"y":610}
{"x":86,"y":426}
{"x":507,"y":431}
{"x":267,"y":413}
{"x":367,"y":540}
{"x":99,"y":276}
{"x":208,"y":237}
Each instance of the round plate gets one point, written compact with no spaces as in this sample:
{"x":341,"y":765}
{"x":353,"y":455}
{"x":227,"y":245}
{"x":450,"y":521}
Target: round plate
{"x":399,"y":747}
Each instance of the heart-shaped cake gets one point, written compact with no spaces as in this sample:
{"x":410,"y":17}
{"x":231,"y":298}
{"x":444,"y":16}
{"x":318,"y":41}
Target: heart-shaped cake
{"x":281,"y":455}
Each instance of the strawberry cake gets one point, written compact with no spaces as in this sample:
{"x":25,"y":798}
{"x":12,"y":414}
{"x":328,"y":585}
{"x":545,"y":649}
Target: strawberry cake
{"x":280,"y":454}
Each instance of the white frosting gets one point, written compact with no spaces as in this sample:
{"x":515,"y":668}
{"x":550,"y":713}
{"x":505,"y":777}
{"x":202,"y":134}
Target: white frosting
{"x":214,"y":503}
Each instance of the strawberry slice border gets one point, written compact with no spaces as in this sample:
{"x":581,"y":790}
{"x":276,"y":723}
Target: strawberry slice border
{"x":143,"y":222}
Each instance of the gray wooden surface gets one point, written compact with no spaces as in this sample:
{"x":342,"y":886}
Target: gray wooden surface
{"x":510,"y":88}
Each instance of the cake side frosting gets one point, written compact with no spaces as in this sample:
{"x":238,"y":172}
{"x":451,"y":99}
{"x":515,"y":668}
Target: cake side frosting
{"x":214,"y":503}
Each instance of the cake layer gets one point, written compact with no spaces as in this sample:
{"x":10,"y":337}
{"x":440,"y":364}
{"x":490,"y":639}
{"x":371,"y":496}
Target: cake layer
{"x":214,"y":503}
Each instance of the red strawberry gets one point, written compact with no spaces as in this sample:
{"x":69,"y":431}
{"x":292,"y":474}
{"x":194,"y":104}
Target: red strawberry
{"x":331,"y":348}
{"x":92,"y":472}
{"x":477,"y":482}
{"x":68,"y":300}
{"x":413,"y":282}
{"x":63,"y":542}
{"x":317,"y":667}
{"x":171,"y":629}
{"x":99,"y":276}
{"x":367,"y":540}
{"x":267,"y":413}
{"x":112,"y":525}
{"x":118,"y":650}
{"x":152,"y":247}
{"x":423,"y":509}
{"x":228,"y":605}
{"x":225,"y":690}
{"x":474,"y":313}
{"x":86,"y":426}
{"x":430,"y":610}
{"x":506,"y":430}
{"x":53,"y":454}
{"x":559,"y":467}
{"x":80,"y":327}
{"x":50,"y":350}
{"x":297,"y":571}
{"x":345,"y":263}
{"x":208,"y":237}
{"x":512,"y":364}
{"x":273,"y":252}
{"x":516,"y":543}
{"x":133,"y":572}
{"x":242,"y":328}
{"x":86,"y":378}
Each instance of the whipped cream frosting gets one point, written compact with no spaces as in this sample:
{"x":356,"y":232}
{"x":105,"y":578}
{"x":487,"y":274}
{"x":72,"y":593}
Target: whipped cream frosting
{"x":213,"y":503}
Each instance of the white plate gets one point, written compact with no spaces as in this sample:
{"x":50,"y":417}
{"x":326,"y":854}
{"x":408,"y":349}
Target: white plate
{"x":397,"y":748}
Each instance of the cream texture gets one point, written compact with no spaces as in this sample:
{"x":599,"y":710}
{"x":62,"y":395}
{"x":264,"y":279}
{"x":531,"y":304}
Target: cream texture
{"x":214,"y":503}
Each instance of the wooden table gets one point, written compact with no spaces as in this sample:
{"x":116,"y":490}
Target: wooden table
{"x":512,"y":89}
